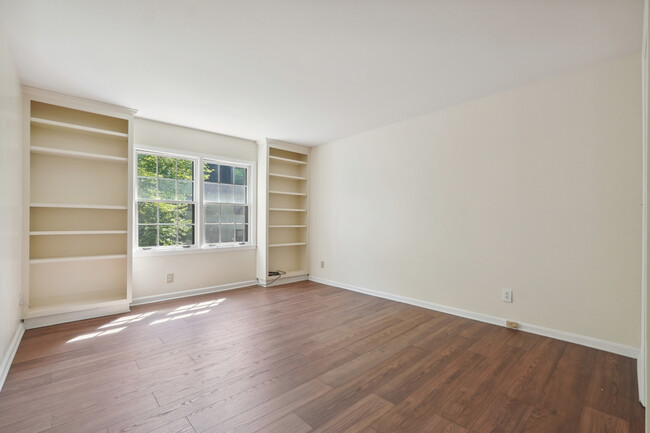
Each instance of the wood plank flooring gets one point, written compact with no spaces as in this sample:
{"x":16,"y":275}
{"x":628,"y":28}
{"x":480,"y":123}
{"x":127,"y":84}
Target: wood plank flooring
{"x":306,"y":357}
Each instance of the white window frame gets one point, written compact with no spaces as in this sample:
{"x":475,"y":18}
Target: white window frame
{"x":200,"y":245}
{"x":246,"y":204}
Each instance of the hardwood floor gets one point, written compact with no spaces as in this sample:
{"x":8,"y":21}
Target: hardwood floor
{"x":306,"y":357}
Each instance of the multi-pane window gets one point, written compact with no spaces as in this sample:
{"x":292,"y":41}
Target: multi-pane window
{"x":165,"y":201}
{"x":176,"y":207}
{"x":226,"y":203}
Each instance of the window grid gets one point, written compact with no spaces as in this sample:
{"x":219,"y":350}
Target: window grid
{"x":174,"y":228}
{"x":209,"y":211}
{"x":225,"y":203}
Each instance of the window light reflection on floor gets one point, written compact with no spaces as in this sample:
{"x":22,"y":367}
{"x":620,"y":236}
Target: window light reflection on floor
{"x":127,"y":319}
{"x":189,"y":310}
{"x":122,"y":322}
{"x":97,"y":334}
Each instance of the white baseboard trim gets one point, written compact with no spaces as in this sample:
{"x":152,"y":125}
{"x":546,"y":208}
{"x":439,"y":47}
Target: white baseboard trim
{"x":285,"y":280}
{"x":73,"y":316}
{"x":608,"y":346}
{"x":191,"y":292}
{"x":11,"y":353}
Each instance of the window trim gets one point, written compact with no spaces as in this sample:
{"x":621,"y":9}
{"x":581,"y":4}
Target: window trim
{"x":199,"y":244}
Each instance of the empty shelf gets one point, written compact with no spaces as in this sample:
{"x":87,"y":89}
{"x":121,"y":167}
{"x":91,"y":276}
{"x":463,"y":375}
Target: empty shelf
{"x":78,"y":206}
{"x":278,"y":209}
{"x":287,"y":160}
{"x":286,"y":176}
{"x":76,"y":154}
{"x":63,"y":125}
{"x":76,"y":232}
{"x":301,"y":194}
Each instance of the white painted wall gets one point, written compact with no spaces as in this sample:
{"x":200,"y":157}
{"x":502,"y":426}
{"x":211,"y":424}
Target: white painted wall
{"x":643,"y":362}
{"x":537,"y":189}
{"x":191,"y":270}
{"x":11,"y":203}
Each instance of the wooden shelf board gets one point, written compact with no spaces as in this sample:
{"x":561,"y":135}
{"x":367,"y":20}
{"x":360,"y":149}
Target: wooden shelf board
{"x":291,"y":244}
{"x":287,"y":226}
{"x":77,"y":303}
{"x":286,"y":176}
{"x":301,"y":194}
{"x":296,"y":273}
{"x":76,"y":232}
{"x":278,"y":209}
{"x":77,"y":258}
{"x":288,"y":274}
{"x":288,"y":160}
{"x":78,"y":206}
{"x":75,"y":154}
{"x":71,"y":126}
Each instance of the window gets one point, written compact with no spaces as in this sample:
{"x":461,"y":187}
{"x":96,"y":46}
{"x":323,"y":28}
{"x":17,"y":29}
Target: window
{"x":166,"y":206}
{"x":225,"y":198}
{"x":177,"y":208}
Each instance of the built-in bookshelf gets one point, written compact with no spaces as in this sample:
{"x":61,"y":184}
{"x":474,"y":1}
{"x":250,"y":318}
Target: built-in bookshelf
{"x":77,"y":207}
{"x":283,"y":216}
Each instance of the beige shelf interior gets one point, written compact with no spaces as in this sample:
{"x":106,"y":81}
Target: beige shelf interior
{"x":288,"y":258}
{"x":287,"y":235}
{"x":287,"y":245}
{"x":78,"y":216}
{"x":61,"y":283}
{"x":287,"y":201}
{"x":60,"y":246}
{"x":64,"y":115}
{"x":64,"y":219}
{"x":73,"y":141}
{"x":287,"y":218}
{"x":56,"y":179}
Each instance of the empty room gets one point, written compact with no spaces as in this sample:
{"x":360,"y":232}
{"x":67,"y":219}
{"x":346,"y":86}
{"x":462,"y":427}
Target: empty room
{"x":320,"y":216}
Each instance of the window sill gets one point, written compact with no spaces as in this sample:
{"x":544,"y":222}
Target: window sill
{"x":177,"y":251}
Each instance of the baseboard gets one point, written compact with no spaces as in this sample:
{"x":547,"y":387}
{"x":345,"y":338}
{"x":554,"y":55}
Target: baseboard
{"x":114,"y":307}
{"x":191,"y":292}
{"x":283,"y":280}
{"x":11,"y":353}
{"x":608,"y":346}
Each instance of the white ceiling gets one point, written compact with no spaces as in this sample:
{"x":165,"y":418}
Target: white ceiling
{"x":307,"y":71}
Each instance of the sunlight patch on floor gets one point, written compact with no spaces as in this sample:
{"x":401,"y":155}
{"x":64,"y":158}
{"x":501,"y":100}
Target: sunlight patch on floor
{"x":127,"y":319}
{"x":96,"y":334}
{"x":197,"y":306}
{"x":182,"y":316}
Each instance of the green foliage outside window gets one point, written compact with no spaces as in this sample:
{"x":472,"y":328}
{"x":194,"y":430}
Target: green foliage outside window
{"x":164,"y":184}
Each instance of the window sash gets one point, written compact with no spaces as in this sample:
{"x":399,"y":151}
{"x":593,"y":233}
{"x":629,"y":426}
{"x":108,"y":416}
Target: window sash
{"x":243,"y":189}
{"x":216,"y":180}
{"x":178,"y":222}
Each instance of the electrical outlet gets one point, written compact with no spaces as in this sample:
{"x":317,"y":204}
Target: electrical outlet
{"x":170,"y":278}
{"x":512,"y":325}
{"x":506,"y":295}
{"x":322,"y":264}
{"x":20,"y":298}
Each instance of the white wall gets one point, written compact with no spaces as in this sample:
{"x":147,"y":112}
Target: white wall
{"x":537,"y":189}
{"x":11,"y":203}
{"x":201,"y":269}
{"x":643,"y":363}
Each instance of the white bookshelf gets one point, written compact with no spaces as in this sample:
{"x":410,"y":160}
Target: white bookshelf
{"x":77,"y":197}
{"x":283,"y":215}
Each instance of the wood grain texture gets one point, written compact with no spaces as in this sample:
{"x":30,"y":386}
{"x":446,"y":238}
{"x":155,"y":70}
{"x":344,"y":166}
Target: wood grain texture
{"x":595,"y":421}
{"x":306,"y":357}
